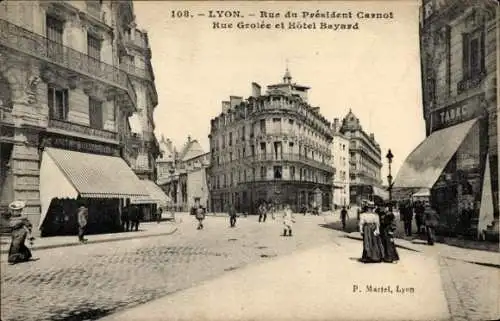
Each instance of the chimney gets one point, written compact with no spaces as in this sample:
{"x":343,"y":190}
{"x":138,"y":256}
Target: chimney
{"x":256,"y":90}
{"x":336,"y":126}
{"x":189,"y":138}
{"x":372,"y":136}
{"x":226,"y":105}
{"x":235,"y":100}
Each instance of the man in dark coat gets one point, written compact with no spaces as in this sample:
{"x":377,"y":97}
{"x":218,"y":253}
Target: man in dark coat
{"x":419,"y":216}
{"x":407,"y":216}
{"x":134,"y":217}
{"x":125,"y":218}
{"x":232,"y":215}
{"x":431,"y":221}
{"x":343,"y":217}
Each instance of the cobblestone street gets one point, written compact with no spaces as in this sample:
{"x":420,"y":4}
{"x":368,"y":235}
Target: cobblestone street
{"x":91,"y":281}
{"x":86,"y":282}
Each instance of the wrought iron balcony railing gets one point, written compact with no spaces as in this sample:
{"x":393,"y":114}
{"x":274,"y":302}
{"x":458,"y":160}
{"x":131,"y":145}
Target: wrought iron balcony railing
{"x":81,"y":129}
{"x":26,"y":41}
{"x":6,"y":115}
{"x":289,"y":157}
{"x":135,"y":71}
{"x":471,"y":82}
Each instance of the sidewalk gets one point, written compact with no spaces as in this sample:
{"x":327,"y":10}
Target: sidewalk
{"x":472,"y":256}
{"x":146,"y":229}
{"x":316,"y":284}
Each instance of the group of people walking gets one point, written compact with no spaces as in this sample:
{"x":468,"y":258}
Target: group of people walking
{"x":377,"y":226}
{"x":426,"y":218}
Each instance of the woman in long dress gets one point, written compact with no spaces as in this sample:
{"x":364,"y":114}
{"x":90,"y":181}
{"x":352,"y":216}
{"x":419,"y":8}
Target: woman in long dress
{"x":20,"y":230}
{"x":387,"y":227}
{"x":369,"y":227}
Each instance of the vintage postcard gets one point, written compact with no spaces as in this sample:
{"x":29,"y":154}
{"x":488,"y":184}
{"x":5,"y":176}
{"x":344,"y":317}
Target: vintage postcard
{"x":249,"y":160}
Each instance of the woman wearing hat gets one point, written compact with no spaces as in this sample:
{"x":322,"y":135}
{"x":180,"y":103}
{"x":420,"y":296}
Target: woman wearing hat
{"x":369,"y":227}
{"x":20,"y":229}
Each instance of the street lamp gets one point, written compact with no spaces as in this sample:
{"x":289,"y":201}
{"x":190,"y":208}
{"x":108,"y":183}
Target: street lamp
{"x":389,"y":157}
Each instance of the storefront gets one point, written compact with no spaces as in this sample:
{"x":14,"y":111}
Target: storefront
{"x":453,"y":163}
{"x":73,"y":172}
{"x":150,"y":204}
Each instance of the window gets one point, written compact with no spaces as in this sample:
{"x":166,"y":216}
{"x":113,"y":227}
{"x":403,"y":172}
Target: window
{"x":263,"y":172}
{"x":263,"y":148}
{"x":253,"y":173}
{"x":230,"y":139}
{"x":473,"y":54}
{"x":290,"y":147}
{"x":243,"y":133}
{"x":58,"y":103}
{"x":292,"y":173}
{"x":95,"y":113}
{"x":262,"y":126}
{"x":290,"y":122}
{"x":244,"y":151}
{"x":278,"y":171}
{"x":277,"y":125}
{"x":230,"y":156}
{"x":252,"y":132}
{"x":54,"y":32}
{"x":93,"y":47}
{"x":253,"y":150}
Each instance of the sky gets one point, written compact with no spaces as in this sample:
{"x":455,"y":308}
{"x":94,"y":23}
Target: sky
{"x":374,"y":70}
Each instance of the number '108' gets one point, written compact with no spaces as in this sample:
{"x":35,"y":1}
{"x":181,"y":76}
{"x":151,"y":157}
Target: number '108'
{"x":180,"y":14}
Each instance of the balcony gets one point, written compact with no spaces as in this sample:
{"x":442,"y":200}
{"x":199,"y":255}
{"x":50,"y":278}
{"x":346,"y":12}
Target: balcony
{"x":291,"y":158}
{"x":6,"y":116}
{"x":90,"y":132}
{"x":471,"y":82}
{"x":136,"y":71}
{"x":36,"y":45}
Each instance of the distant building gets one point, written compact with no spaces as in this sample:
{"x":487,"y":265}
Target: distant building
{"x":365,"y":161}
{"x":182,"y":175}
{"x":458,"y":161}
{"x":272,"y":147}
{"x":340,"y":161}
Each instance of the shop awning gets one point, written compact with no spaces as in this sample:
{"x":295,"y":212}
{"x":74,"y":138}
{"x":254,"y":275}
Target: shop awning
{"x":424,"y":192}
{"x":425,"y":164}
{"x":135,"y":124}
{"x":69,"y":174}
{"x":380,"y":192}
{"x":155,"y":195}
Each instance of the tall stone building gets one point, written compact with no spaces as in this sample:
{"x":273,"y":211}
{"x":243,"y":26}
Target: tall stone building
{"x":341,"y":163}
{"x":183,"y":174}
{"x":272,"y":147}
{"x":68,"y":99}
{"x":458,"y":161}
{"x":365,"y":161}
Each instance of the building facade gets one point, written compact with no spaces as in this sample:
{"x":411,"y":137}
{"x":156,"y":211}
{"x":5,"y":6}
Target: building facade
{"x":272,"y":147}
{"x":365,"y":161}
{"x":62,"y":88}
{"x":459,"y":54}
{"x":341,"y":163}
{"x":183,"y":175}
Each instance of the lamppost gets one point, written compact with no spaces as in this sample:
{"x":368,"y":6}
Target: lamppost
{"x":389,"y":157}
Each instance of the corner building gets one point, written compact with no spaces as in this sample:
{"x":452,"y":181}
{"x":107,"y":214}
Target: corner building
{"x":71,"y":85}
{"x":458,"y":161}
{"x":272,"y":147}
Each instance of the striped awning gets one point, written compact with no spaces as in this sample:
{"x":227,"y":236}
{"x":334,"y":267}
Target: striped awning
{"x":155,"y":195}
{"x":69,"y":174}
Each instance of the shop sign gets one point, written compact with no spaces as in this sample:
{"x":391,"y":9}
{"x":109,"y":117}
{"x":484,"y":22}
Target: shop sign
{"x":80,"y":146}
{"x":456,"y":113}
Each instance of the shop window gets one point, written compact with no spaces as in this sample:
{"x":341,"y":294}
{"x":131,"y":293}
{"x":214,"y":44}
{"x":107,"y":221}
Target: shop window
{"x":57,"y":100}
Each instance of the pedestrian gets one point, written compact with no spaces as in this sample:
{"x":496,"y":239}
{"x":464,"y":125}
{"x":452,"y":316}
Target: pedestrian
{"x":262,"y":212}
{"x":82,"y":216}
{"x":419,"y":216}
{"x":431,"y":221}
{"x":288,"y":220}
{"x":369,"y":227}
{"x":125,"y":218}
{"x":134,"y":216}
{"x":200,"y":216}
{"x":406,"y":213}
{"x":20,"y":228}
{"x":343,"y":216}
{"x":158,"y":215}
{"x":387,"y":228}
{"x":232,"y":216}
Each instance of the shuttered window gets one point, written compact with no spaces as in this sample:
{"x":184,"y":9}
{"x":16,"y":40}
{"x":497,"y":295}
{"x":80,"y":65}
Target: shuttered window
{"x":95,"y":113}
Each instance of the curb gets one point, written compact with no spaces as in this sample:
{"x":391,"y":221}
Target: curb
{"x":487,"y":264}
{"x":123,"y":238}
